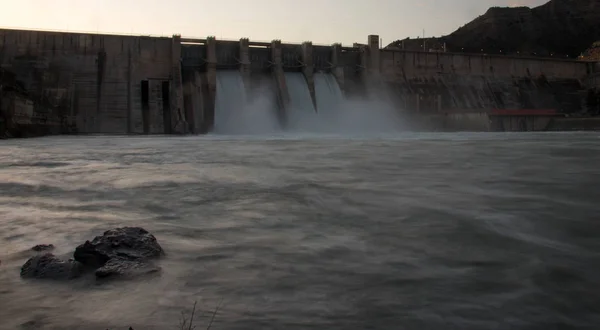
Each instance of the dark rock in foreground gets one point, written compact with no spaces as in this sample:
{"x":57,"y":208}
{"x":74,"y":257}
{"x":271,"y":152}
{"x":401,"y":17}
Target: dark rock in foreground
{"x":127,"y":243}
{"x":48,"y":266}
{"x":125,"y":268}
{"x":43,"y":247}
{"x":120,"y":252}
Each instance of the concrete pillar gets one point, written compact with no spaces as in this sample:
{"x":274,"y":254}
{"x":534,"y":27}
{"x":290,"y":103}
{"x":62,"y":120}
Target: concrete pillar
{"x":130,"y":128}
{"x":337,"y":69}
{"x":211,"y":81}
{"x":245,"y":62}
{"x":188,"y":104}
{"x":369,"y":63}
{"x":100,"y":85}
{"x":283,"y":97}
{"x":308,"y":69}
{"x":192,"y":89}
{"x":198,"y":102}
{"x":364,"y":66}
{"x":374,"y":56}
{"x":178,"y":123}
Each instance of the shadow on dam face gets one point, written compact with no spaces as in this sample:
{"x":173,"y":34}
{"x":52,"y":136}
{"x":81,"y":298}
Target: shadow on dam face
{"x":238,"y":113}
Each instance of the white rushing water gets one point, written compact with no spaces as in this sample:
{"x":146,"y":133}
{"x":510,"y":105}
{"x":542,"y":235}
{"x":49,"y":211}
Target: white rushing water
{"x":301,"y":115}
{"x":230,"y":100}
{"x":344,"y":116}
{"x":241,"y":113}
{"x":330,"y":98}
{"x":335,"y":114}
{"x":237,"y":112}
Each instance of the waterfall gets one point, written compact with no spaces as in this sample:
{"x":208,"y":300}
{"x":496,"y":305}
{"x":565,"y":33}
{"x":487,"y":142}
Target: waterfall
{"x":301,"y":114}
{"x":342,"y":116}
{"x":329,"y":97}
{"x":229,"y":102}
{"x":236,"y":112}
{"x":240,"y":112}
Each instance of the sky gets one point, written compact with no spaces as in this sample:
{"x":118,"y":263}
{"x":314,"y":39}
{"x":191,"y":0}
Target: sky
{"x":319,"y":21}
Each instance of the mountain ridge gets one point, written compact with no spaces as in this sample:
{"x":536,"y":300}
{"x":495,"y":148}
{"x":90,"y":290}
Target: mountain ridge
{"x":558,"y":28}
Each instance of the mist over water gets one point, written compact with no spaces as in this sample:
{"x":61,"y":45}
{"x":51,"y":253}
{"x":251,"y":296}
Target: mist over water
{"x":374,"y":113}
{"x":237,"y":113}
{"x":367,"y":117}
{"x":240,"y":112}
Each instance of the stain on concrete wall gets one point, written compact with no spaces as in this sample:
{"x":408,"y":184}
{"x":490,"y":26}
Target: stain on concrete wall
{"x":92,"y":78}
{"x":445,"y":82}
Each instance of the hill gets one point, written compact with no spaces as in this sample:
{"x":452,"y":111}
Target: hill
{"x":592,"y":53}
{"x":559,"y":28}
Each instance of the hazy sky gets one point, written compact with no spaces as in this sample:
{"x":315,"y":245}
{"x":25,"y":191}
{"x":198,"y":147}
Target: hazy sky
{"x":321,"y":21}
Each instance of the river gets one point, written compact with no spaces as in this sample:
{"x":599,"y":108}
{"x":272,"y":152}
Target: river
{"x":407,"y":231}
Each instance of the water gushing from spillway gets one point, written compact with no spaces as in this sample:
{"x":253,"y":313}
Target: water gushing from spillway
{"x":239,"y":112}
{"x":329,"y":97}
{"x":300,"y":113}
{"x":367,"y":116}
{"x":236,"y":112}
{"x":340,"y":115}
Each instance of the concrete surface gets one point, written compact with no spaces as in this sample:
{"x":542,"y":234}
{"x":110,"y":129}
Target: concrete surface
{"x":98,"y":80}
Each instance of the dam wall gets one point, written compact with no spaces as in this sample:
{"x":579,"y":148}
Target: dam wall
{"x":434,"y":82}
{"x":116,"y":84}
{"x":100,"y":83}
{"x":262,"y":65}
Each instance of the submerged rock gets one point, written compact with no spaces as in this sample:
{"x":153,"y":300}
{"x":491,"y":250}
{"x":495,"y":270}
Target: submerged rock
{"x":43,"y":247}
{"x":120,"y":251}
{"x":50,"y":267}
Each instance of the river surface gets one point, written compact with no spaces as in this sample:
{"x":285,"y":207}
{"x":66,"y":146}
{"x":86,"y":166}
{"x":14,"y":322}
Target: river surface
{"x":410,"y":231}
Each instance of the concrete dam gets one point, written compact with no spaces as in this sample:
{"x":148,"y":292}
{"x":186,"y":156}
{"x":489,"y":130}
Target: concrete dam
{"x":78,"y":83}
